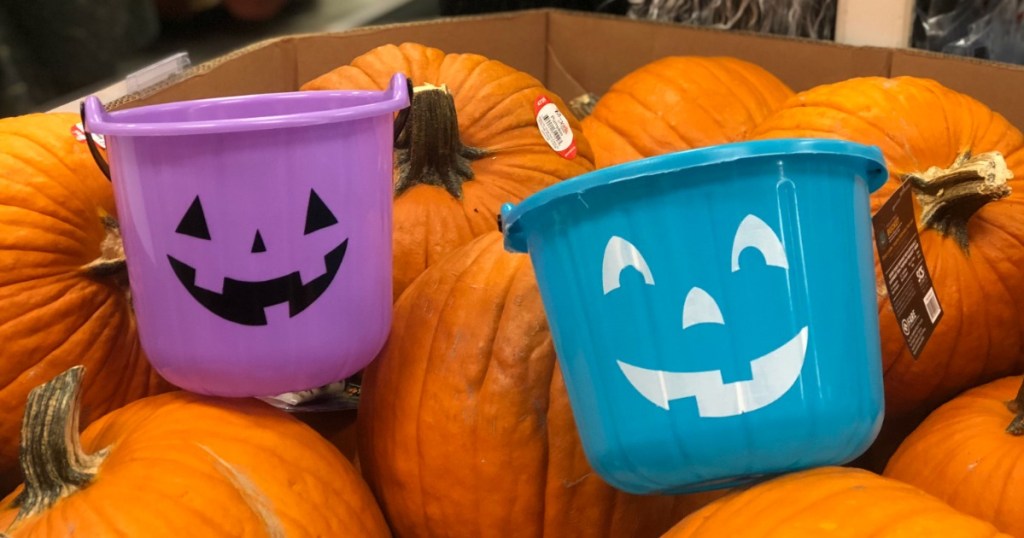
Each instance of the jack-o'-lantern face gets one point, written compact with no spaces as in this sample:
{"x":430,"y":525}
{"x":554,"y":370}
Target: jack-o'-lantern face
{"x":244,"y":301}
{"x":772,"y":374}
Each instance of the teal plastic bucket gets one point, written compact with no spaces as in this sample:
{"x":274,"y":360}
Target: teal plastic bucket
{"x":714,"y":311}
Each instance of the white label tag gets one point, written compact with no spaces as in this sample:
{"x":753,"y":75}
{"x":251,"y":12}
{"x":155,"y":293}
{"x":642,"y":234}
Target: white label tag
{"x":78,"y":130}
{"x":554,"y":127}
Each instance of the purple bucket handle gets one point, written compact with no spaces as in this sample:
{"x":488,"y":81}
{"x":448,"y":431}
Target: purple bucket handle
{"x":95,"y":117}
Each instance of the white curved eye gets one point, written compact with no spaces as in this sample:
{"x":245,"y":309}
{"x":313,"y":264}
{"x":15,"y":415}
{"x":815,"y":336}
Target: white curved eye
{"x":700,"y":307}
{"x":753,"y":232}
{"x":619,"y":254}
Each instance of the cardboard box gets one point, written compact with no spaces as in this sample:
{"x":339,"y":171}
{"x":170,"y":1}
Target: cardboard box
{"x":576,"y":52}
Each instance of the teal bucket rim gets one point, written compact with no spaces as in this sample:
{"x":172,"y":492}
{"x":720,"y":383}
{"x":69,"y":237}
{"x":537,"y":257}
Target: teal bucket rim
{"x":876,"y":173}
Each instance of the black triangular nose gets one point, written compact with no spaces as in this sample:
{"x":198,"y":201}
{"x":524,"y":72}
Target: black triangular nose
{"x":257,"y":243}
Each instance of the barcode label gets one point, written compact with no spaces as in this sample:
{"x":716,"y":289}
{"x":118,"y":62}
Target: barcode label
{"x":554,"y":127}
{"x":931,"y":304}
{"x":908,"y":283}
{"x":552,"y":132}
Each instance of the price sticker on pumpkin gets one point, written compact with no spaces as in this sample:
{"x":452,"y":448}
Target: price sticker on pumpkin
{"x":554,"y":127}
{"x":907,"y":280}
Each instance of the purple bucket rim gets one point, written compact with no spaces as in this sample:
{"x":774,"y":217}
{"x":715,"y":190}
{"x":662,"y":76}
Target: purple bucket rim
{"x":97,"y":120}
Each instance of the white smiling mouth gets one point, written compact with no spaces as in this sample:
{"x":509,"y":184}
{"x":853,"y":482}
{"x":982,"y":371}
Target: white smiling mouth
{"x":773,"y":374}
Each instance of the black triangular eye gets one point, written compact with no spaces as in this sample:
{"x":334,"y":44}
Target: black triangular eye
{"x":194,"y":222}
{"x":318,"y":216}
{"x":257,"y":243}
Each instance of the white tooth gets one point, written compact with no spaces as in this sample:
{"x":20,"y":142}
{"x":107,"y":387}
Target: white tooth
{"x":649,"y":383}
{"x":773,"y":374}
{"x":207,"y":281}
{"x":703,"y":385}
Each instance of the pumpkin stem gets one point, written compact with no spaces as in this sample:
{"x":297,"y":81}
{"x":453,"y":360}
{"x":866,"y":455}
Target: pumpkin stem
{"x":428,"y":148}
{"x":583,"y":105}
{"x":950,"y":196}
{"x":51,"y":451}
{"x":110,"y":264}
{"x":1016,"y":407}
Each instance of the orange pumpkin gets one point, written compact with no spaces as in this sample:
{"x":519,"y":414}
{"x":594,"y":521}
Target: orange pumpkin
{"x":965,"y":162}
{"x":831,"y":501}
{"x":63,"y":282}
{"x":470,"y":144}
{"x":969,"y":452}
{"x":680,"y":102}
{"x":464,"y":424}
{"x":180,"y":464}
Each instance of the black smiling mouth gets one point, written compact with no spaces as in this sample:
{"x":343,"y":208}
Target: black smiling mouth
{"x":243,"y":302}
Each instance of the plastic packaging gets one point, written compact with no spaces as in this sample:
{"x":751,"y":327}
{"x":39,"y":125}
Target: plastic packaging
{"x":801,"y":18}
{"x":988,"y":29}
{"x":338,"y":396}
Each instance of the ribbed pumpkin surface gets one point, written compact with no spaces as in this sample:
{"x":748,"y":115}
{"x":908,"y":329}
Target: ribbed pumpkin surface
{"x":53,"y":314}
{"x":186,"y":465}
{"x":831,"y":501}
{"x":963,"y":455}
{"x":465,"y":427}
{"x":681,"y":102}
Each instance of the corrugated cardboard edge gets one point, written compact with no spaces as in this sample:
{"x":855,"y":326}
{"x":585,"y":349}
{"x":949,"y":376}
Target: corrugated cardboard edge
{"x":201,"y":69}
{"x":882,"y":61}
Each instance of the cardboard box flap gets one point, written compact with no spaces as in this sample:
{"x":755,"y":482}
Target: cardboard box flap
{"x":517,"y":39}
{"x":285,"y":63}
{"x":264,"y":67}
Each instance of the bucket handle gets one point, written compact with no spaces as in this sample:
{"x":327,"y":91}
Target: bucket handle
{"x":403,"y":115}
{"x":400,"y":119}
{"x":96,"y":155}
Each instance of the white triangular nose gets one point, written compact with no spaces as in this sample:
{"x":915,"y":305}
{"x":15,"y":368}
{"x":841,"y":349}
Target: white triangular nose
{"x":700,"y":307}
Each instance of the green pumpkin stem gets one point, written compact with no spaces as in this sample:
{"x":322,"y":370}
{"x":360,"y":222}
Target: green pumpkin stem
{"x":428,"y":148}
{"x":950,"y":197}
{"x":1016,"y":407}
{"x":51,"y":452}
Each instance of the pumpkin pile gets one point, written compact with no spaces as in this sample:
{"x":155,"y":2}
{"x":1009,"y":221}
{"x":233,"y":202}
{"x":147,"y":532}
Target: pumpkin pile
{"x":464,"y":426}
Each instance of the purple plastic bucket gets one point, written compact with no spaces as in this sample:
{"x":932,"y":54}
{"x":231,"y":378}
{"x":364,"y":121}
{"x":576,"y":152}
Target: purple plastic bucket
{"x":257,"y":232}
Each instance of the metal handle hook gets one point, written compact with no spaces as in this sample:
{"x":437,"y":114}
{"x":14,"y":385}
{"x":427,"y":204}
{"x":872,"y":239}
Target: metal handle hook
{"x":403,"y":115}
{"x":96,"y":156}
